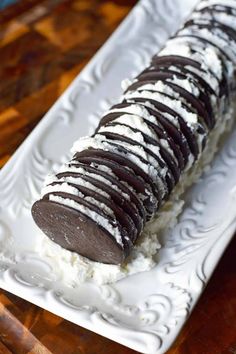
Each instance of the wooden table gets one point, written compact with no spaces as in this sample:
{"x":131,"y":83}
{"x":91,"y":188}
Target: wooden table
{"x":43,"y":46}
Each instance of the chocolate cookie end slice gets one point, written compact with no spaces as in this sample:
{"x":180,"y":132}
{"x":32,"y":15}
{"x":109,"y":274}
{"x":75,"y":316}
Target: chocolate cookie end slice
{"x":76,"y":232}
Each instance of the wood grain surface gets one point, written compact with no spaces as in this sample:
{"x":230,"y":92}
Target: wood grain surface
{"x":43,"y":46}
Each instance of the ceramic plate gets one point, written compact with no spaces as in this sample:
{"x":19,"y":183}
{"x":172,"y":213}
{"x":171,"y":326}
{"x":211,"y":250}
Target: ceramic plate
{"x":145,"y":311}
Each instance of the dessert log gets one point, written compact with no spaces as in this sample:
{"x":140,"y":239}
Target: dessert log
{"x":118,"y":178}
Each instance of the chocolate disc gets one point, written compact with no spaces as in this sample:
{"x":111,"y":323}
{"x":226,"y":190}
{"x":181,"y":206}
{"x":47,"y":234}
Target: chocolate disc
{"x":70,"y":229}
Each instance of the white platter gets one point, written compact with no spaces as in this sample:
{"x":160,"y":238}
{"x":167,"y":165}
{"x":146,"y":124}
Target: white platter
{"x":145,"y":311}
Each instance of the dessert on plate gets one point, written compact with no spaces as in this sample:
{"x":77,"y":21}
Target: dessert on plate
{"x":150,"y":145}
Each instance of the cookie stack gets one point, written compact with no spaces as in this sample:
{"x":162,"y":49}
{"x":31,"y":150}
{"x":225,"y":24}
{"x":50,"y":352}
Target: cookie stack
{"x":99,"y":202}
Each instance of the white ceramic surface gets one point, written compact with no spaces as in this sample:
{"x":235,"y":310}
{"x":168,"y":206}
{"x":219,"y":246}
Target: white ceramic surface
{"x":145,"y":311}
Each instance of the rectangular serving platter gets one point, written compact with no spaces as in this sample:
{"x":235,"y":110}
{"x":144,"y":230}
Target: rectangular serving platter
{"x":145,"y":311}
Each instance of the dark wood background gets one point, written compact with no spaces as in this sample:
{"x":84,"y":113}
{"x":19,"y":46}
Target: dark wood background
{"x":43,"y":46}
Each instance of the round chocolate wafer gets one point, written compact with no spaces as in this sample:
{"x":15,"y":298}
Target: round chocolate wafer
{"x":77,"y":232}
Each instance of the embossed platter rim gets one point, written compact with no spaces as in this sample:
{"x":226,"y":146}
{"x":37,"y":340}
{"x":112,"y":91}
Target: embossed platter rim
{"x":146,"y":319}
